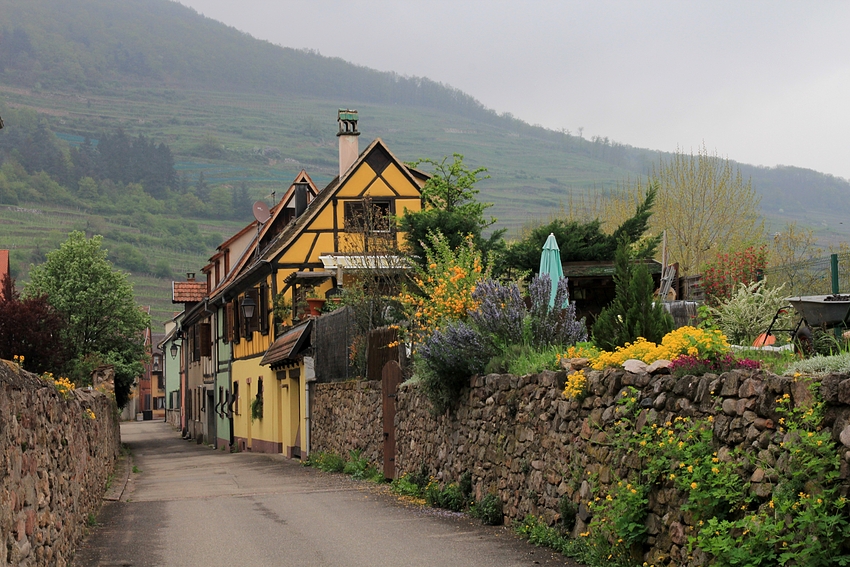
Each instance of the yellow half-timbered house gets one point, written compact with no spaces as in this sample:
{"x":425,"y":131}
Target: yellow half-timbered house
{"x":310,"y":241}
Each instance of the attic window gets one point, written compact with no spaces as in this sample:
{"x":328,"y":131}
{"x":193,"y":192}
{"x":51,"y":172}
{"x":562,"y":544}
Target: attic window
{"x":378,"y":159}
{"x":368,"y":215}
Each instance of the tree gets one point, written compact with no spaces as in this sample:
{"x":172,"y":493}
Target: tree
{"x":103,"y":323}
{"x":30,"y":328}
{"x":451,"y":208}
{"x":706,"y":207}
{"x":796,"y":260}
{"x":634,"y":312}
{"x":584,"y":241}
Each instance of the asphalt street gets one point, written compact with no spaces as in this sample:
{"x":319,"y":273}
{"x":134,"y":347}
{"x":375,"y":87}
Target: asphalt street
{"x":188,"y":505}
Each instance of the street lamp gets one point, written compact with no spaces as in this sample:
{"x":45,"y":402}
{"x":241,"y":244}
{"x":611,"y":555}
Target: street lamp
{"x":248,"y":306}
{"x":173,"y":350}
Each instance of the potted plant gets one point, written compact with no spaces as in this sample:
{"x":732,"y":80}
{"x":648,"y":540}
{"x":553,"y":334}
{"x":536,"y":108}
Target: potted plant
{"x":315,"y":302}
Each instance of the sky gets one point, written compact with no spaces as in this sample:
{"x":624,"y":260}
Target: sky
{"x":765,"y":83}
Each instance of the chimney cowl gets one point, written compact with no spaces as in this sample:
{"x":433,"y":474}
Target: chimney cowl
{"x":349,"y":147}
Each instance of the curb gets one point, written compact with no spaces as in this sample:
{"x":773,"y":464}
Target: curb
{"x":121,"y":475}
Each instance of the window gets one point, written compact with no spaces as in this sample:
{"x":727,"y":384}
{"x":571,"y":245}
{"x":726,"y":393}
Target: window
{"x":159,"y":403}
{"x":368,"y":215}
{"x":205,"y":332}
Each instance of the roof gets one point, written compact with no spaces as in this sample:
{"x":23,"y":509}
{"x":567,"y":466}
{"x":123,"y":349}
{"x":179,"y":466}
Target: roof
{"x":288,"y":346}
{"x":188,"y":292}
{"x":596,"y":269}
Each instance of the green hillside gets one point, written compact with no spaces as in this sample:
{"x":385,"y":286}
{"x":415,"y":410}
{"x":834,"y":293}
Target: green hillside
{"x":240,"y":110}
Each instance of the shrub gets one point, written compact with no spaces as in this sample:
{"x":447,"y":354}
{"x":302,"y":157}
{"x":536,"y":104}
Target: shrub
{"x":749,"y":311}
{"x":328,"y":462}
{"x":568,"y":510}
{"x":489,"y":510}
{"x":450,"y":497}
{"x":705,"y":344}
{"x":405,"y":486}
{"x":728,"y":271}
{"x":450,"y":357}
{"x":555,"y":326}
{"x":358,"y":466}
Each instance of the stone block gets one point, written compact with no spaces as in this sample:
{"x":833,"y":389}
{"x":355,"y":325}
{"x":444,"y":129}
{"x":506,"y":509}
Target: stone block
{"x":635,"y":366}
{"x":730,"y":384}
{"x":659,"y":367}
{"x":844,"y":392}
{"x":750,"y":388}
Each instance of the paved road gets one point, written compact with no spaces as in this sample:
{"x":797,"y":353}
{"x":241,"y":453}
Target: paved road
{"x":189,"y":505}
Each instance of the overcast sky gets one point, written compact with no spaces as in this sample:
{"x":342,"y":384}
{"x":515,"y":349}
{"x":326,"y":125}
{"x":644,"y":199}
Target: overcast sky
{"x":765,"y":83}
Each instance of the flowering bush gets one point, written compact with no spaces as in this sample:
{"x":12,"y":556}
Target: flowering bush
{"x":721,"y":277}
{"x":558,"y":325}
{"x":451,"y":355}
{"x":444,"y":288}
{"x":502,"y":315}
{"x":705,"y":344}
{"x":62,"y":384}
{"x":575,"y":386}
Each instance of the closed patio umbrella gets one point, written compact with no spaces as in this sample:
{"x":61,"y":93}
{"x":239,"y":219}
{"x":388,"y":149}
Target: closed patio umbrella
{"x":550,"y":264}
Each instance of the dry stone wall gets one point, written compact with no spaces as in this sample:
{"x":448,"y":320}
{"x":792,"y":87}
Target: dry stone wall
{"x":54,"y":464}
{"x":521,"y":439}
{"x":347,"y":416}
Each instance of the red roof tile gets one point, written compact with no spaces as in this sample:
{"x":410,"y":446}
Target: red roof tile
{"x":188,"y":292}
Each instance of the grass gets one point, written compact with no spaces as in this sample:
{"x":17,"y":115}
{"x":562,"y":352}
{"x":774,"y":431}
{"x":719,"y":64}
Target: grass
{"x":136,"y":470}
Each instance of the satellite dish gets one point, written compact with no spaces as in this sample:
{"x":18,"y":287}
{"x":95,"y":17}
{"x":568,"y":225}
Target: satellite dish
{"x":261,"y":212}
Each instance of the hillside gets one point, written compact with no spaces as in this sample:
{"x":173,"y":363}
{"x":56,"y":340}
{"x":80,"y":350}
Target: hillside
{"x":243,"y":110}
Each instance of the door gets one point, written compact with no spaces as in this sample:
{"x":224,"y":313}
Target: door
{"x":390,"y":379}
{"x":211,"y":432}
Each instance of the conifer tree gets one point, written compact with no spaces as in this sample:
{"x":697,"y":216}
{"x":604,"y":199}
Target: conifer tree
{"x":634,"y":312}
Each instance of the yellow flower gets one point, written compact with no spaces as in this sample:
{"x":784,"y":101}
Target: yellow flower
{"x":694,"y":485}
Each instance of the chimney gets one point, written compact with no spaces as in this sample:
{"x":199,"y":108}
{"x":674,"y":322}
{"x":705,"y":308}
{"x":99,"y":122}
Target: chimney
{"x":300,"y":198}
{"x":349,"y":149}
{"x":190,"y":276}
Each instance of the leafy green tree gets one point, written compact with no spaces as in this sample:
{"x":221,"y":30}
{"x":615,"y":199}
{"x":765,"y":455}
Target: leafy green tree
{"x":451,"y":208}
{"x":634,"y":312}
{"x":104,"y":324}
{"x":584,"y":241}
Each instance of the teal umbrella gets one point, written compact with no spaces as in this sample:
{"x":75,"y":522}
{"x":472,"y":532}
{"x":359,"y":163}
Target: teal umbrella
{"x":550,"y":264}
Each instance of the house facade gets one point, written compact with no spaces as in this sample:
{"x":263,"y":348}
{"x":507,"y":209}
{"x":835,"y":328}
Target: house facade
{"x":259,"y":282}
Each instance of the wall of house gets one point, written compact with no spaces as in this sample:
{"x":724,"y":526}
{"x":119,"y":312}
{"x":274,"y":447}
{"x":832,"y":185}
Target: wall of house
{"x":55,"y":464}
{"x":260,"y":435}
{"x":520,"y":438}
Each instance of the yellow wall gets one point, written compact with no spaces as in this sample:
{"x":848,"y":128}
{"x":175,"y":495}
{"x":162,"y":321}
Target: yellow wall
{"x":283,"y":405}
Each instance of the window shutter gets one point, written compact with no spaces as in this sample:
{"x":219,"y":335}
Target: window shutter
{"x":263,"y":306}
{"x":206,"y":339}
{"x":196,"y":342}
{"x":237,"y":320}
{"x":228,"y":322}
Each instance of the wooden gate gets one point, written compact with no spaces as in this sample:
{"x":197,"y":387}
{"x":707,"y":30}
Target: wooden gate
{"x":390,"y":379}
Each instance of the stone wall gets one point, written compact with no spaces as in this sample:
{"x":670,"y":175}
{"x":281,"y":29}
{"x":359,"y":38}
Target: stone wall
{"x":54,"y":466}
{"x":521,"y":439}
{"x":347,"y":416}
